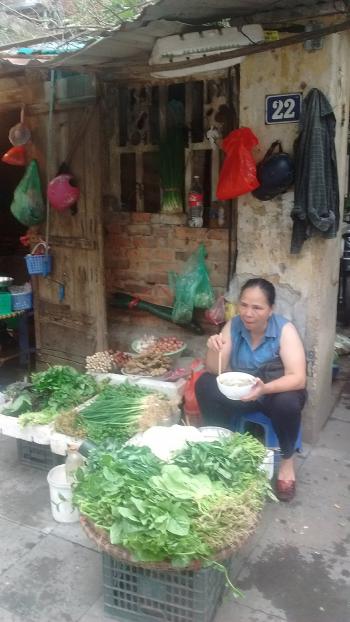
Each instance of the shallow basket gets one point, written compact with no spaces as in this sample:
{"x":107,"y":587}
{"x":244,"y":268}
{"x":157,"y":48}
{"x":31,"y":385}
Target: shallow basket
{"x":101,"y":539}
{"x":21,"y":301}
{"x":39,"y":264}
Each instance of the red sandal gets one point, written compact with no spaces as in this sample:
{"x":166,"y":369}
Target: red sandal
{"x":285,"y":489}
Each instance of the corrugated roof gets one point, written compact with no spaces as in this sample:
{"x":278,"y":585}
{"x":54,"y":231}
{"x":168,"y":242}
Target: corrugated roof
{"x":206,"y":10}
{"x":168,"y":17}
{"x":134,"y":41}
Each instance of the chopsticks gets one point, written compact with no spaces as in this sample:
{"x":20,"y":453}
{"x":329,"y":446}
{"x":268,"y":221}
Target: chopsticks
{"x":219,"y":362}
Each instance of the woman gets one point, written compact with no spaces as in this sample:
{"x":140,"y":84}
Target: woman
{"x":268,"y":346}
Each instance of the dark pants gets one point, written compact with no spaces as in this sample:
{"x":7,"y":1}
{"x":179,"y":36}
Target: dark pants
{"x":284,"y":410}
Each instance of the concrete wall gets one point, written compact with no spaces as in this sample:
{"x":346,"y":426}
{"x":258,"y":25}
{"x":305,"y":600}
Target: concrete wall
{"x":307,"y":283}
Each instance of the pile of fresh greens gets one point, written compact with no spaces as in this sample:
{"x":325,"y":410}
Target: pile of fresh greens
{"x":120,"y":411}
{"x":49,"y":392}
{"x":207,"y":499}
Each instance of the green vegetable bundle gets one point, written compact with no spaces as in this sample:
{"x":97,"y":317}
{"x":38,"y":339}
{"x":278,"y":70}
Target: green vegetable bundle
{"x":167,"y":512}
{"x":50,"y":392}
{"x":171,"y":169}
{"x":121,"y":411}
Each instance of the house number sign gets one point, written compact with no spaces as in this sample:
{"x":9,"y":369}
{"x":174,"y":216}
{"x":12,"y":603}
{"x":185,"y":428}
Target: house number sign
{"x":284,"y":108}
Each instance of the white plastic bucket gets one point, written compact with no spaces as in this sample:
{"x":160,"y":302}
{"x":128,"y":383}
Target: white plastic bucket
{"x":268,"y":463}
{"x":61,"y":496}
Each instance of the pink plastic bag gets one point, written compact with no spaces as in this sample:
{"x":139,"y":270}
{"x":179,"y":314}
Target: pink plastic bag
{"x":216,"y":314}
{"x":238,"y":172}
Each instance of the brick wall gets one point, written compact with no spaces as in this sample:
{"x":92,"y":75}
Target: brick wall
{"x":141,"y":248}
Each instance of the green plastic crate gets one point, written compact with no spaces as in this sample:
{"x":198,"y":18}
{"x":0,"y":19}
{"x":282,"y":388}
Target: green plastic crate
{"x":134,"y":594}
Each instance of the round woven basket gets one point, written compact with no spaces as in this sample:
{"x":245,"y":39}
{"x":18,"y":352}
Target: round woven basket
{"x":101,"y":539}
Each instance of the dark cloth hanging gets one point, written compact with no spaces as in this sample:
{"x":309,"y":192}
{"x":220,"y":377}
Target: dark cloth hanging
{"x":316,"y":202}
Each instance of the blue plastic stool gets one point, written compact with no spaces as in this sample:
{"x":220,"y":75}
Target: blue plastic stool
{"x":271,"y":440}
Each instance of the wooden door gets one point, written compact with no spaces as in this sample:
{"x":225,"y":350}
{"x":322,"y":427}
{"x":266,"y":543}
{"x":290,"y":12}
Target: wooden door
{"x":69,"y":328}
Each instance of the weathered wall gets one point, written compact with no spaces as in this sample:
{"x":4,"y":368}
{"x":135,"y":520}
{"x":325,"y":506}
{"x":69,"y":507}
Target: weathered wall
{"x":307,"y":283}
{"x":140,"y":250}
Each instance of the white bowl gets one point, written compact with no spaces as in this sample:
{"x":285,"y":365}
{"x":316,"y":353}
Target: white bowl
{"x":244,"y":384}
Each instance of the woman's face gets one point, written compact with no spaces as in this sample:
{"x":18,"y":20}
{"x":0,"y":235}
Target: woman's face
{"x":254,"y":309}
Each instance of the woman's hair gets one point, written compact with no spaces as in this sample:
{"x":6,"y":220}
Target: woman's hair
{"x":264,"y":285}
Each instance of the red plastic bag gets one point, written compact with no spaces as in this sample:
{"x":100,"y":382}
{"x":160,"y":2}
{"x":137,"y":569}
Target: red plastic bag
{"x":216,"y":314}
{"x":238,"y":172}
{"x":191,"y":407}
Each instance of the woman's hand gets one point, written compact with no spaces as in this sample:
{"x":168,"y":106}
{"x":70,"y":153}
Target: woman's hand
{"x":257,"y":391}
{"x":216,"y":343}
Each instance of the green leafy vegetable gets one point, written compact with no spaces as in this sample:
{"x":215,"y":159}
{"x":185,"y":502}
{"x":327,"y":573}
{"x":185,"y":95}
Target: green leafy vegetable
{"x":175,"y":512}
{"x":49,"y":392}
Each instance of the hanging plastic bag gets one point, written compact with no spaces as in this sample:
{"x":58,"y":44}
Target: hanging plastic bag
{"x":191,"y":407}
{"x":216,"y":314}
{"x":27,"y":205}
{"x":192,"y":288}
{"x":238,"y":172}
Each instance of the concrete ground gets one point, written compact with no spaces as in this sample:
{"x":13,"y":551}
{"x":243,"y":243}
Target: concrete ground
{"x":296,"y":568}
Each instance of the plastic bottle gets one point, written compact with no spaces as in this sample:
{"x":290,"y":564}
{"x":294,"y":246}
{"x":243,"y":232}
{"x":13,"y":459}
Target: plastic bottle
{"x":195,"y":204}
{"x":221,"y":215}
{"x":73,"y":462}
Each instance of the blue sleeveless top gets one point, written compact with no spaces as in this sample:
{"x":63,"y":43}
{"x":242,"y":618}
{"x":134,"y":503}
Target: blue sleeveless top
{"x":243,"y":357}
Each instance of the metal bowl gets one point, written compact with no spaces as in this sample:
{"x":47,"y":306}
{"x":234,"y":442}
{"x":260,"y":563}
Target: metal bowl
{"x":214,"y":433}
{"x":5,"y":281}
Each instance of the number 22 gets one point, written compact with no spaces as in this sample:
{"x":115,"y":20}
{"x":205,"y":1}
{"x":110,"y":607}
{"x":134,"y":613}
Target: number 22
{"x":283,"y":109}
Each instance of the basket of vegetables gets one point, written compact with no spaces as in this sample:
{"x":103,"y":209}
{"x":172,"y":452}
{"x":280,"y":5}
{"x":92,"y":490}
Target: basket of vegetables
{"x":190,"y":511}
{"x":106,"y":361}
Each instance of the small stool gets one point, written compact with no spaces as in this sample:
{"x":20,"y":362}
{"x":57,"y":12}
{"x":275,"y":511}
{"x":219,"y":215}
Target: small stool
{"x":271,"y":440}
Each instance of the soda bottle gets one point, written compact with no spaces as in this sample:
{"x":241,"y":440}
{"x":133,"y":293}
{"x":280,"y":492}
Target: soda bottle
{"x":73,"y":462}
{"x":195,"y":204}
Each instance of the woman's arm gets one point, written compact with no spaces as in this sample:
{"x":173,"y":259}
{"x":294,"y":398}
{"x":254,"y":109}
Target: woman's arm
{"x":293,"y":358}
{"x":217,"y":343}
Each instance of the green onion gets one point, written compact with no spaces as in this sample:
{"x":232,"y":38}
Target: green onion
{"x":124,"y":410}
{"x":171,"y":169}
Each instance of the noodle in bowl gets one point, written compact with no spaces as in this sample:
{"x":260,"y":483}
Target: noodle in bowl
{"x":235,"y":385}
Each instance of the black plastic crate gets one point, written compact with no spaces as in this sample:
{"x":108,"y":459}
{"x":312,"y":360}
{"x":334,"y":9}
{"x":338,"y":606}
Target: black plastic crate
{"x":134,"y":594}
{"x":37,"y":456}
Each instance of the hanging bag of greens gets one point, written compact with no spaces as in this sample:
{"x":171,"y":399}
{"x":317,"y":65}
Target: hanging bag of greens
{"x":28,"y":205}
{"x":192,"y":288}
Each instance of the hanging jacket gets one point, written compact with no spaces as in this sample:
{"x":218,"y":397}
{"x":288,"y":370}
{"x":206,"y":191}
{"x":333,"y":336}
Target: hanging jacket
{"x":316,"y":203}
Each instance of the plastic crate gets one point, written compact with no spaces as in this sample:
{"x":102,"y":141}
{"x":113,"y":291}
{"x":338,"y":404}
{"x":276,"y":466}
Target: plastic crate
{"x":37,"y":456}
{"x":21,"y":301}
{"x":134,"y":594}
